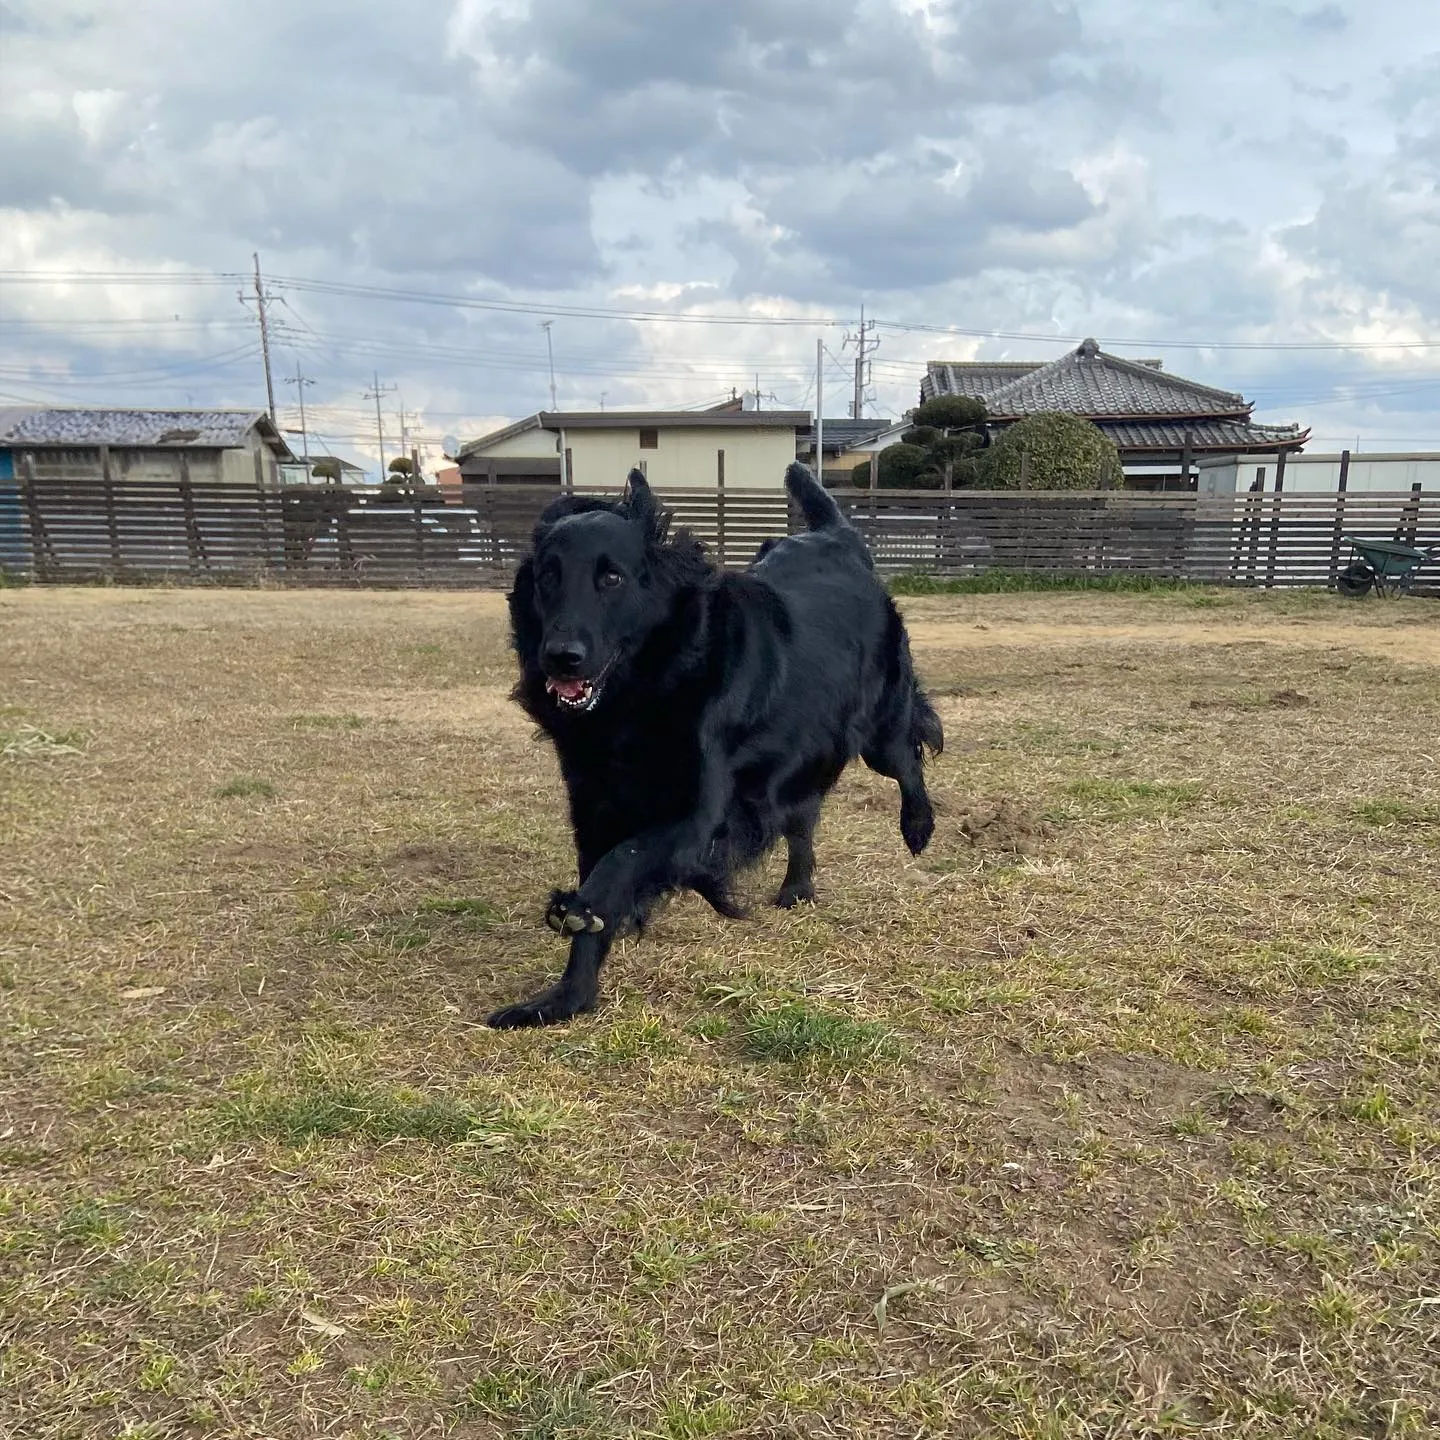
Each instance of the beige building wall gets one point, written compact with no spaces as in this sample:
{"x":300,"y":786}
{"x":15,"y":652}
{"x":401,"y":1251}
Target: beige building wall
{"x":754,"y":459}
{"x":237,"y":467}
{"x":531,"y":444}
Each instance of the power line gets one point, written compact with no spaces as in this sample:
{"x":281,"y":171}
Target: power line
{"x":1039,"y":339}
{"x":518,"y":307}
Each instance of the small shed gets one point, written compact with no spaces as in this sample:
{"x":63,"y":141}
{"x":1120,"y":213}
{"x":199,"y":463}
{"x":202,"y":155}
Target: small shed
{"x":230,"y":447}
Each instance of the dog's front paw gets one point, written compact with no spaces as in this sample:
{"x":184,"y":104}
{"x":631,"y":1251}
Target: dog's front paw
{"x":568,"y":914}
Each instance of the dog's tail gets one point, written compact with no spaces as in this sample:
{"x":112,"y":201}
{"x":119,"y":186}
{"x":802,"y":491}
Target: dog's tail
{"x":925,"y":726}
{"x":819,"y":508}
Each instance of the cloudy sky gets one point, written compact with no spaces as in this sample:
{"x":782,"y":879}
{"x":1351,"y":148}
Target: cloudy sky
{"x":693,"y":194}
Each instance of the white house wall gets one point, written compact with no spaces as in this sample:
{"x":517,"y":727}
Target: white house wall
{"x":1320,"y":474}
{"x":754,"y":459}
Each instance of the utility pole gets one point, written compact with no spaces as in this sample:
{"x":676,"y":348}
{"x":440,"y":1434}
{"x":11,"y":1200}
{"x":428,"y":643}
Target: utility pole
{"x":300,"y":381}
{"x":260,"y":303}
{"x":864,"y":347}
{"x":820,"y":410}
{"x":406,"y":448}
{"x":550,"y":351}
{"x":375,"y":393}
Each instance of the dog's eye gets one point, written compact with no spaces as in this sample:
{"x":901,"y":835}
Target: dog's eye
{"x":611,"y":579}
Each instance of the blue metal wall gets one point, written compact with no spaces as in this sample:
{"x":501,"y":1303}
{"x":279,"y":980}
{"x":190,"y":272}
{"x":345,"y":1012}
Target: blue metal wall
{"x":14,"y":536}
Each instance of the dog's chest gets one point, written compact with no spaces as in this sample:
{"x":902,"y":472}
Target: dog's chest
{"x":632,"y":774}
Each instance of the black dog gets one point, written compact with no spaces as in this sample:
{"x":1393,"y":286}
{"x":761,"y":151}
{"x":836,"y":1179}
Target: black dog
{"x":699,"y":715}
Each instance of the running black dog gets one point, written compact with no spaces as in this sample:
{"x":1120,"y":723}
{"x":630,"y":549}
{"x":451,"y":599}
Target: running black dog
{"x":701,"y":715}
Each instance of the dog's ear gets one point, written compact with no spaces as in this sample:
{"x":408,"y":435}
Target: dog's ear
{"x":640,"y":502}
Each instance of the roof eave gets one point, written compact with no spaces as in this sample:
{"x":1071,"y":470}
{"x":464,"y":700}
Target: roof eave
{"x":495,"y":437}
{"x":673,"y":419}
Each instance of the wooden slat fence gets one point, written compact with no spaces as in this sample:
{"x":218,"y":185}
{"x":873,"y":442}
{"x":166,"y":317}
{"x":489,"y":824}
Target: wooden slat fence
{"x":79,"y":528}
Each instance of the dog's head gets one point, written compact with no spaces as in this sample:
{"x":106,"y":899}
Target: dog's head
{"x":601,"y":576}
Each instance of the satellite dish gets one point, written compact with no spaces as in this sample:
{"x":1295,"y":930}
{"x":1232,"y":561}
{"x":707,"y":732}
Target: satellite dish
{"x":451,"y":446}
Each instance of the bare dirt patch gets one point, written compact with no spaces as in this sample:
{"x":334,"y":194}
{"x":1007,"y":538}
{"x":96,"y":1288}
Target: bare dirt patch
{"x":1004,"y":824}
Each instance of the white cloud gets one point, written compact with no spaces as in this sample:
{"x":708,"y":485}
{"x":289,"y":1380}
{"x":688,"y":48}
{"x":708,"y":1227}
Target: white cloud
{"x":1134,"y":169}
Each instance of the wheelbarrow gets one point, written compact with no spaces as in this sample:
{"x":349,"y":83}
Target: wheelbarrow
{"x":1380,"y":565}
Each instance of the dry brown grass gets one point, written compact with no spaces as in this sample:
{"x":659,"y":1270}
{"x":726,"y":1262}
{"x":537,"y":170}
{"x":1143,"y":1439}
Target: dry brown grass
{"x":1115,"y":1114}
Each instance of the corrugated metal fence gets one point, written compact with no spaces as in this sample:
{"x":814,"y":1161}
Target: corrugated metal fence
{"x":85,"y":529}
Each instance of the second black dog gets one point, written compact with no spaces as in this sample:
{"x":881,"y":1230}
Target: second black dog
{"x":699,"y":715}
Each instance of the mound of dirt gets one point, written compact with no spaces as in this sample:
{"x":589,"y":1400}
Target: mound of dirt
{"x":1289,"y":700}
{"x":1005,"y":825}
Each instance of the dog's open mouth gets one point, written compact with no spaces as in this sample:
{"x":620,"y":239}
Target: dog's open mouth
{"x":575,"y":694}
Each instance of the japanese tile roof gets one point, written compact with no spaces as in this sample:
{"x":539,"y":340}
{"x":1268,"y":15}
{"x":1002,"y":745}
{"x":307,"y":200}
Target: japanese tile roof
{"x":201,"y":429}
{"x":1087,"y":382}
{"x":1205,"y":434}
{"x":841,"y":434}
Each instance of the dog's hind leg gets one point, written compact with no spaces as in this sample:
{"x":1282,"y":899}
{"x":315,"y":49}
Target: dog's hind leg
{"x":576,"y":991}
{"x":898,"y":760}
{"x":894,"y":751}
{"x":799,"y":881}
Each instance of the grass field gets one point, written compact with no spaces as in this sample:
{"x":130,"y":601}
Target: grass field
{"x":1117,"y":1113}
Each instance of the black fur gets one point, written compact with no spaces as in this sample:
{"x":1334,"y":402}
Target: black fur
{"x":727,"y":706}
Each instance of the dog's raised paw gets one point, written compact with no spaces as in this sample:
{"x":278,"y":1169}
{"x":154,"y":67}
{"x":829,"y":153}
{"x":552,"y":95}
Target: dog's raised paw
{"x":568,"y":914}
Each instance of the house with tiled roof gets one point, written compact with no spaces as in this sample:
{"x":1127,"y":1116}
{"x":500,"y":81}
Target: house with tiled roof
{"x":237,"y":447}
{"x":847,"y":443}
{"x":1162,"y":424}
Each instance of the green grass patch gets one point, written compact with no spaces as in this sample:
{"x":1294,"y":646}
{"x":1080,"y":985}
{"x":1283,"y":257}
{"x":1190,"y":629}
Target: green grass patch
{"x":91,"y":1222}
{"x":1005,"y":582}
{"x":798,"y":1032}
{"x":346,"y":1112}
{"x":535,"y":1407}
{"x":240,"y":787}
{"x":1135,"y":797}
{"x":477,"y":911}
{"x":327,"y":722}
{"x":1384,"y":811}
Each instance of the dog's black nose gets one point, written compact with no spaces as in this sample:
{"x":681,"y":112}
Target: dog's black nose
{"x":564,"y":657}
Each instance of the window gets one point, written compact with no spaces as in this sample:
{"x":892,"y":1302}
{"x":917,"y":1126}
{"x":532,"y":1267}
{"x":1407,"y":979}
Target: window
{"x":649,"y":439}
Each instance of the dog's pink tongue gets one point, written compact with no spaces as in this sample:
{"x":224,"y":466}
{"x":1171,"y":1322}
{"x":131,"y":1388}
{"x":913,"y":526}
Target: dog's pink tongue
{"x":568,"y":689}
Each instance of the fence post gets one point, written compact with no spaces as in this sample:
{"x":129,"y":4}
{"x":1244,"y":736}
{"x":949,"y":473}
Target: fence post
{"x":193,"y":542}
{"x":112,"y":523}
{"x":1409,"y":518}
{"x":1024,"y":469}
{"x":40,"y":548}
{"x":262,"y":503}
{"x":1254,"y":508}
{"x":419,"y":518}
{"x":1275,"y":519}
{"x":720,"y":507}
{"x":344,"y":545}
{"x":1335,"y":539}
